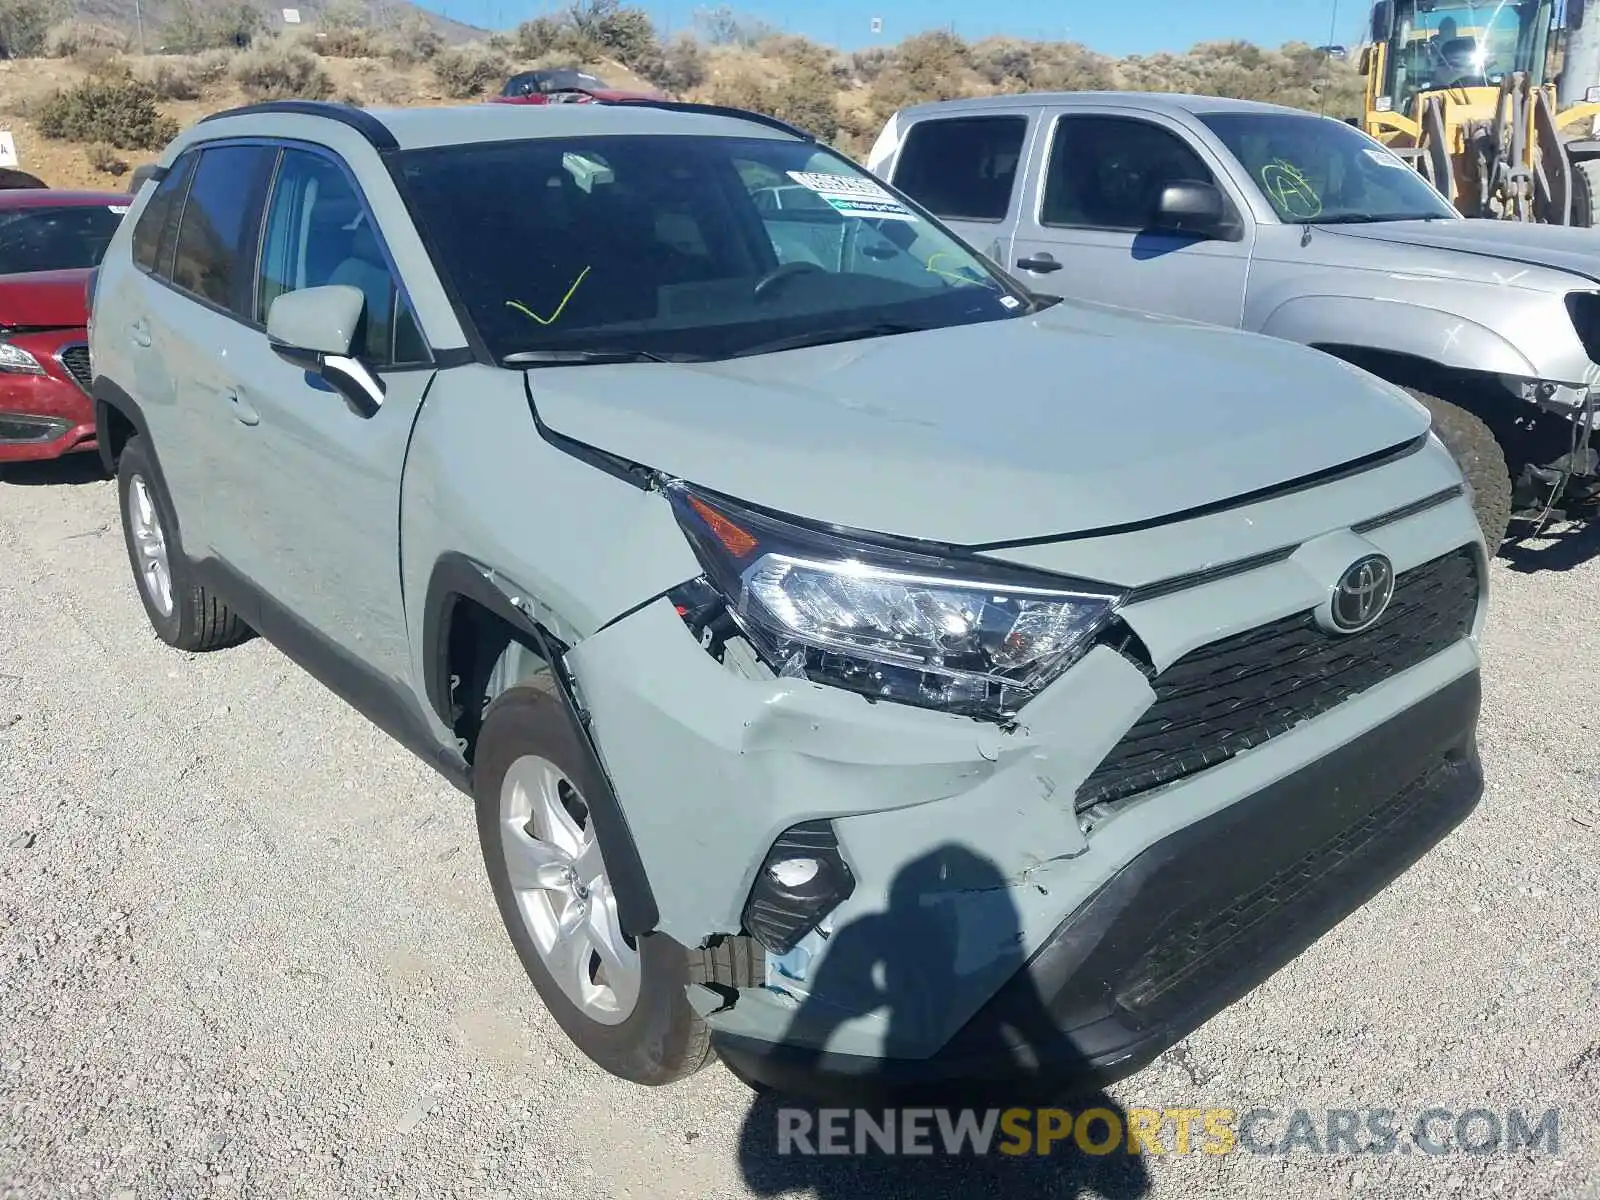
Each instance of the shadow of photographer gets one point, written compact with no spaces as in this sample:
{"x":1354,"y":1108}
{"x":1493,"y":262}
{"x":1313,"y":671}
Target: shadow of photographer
{"x":950,"y":913}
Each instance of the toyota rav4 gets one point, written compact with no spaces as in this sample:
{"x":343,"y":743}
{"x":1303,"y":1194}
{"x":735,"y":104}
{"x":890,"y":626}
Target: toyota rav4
{"x":863,"y":668}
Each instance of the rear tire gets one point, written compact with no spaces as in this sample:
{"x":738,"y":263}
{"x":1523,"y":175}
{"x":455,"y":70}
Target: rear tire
{"x":632,"y":1018}
{"x":184,"y":614}
{"x":1482,"y":460}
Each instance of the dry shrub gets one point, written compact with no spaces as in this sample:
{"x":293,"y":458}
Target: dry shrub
{"x":466,"y":71}
{"x":171,"y":78}
{"x":346,"y":41}
{"x":76,"y":39}
{"x":115,"y":109}
{"x":281,"y":72}
{"x":414,"y":40}
{"x":106,"y":161}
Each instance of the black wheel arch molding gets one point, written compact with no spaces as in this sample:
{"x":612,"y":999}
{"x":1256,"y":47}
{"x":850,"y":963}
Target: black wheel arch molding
{"x":456,"y":579}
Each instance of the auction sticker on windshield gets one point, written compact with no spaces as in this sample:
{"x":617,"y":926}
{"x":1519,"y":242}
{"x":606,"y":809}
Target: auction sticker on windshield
{"x":852,"y":197}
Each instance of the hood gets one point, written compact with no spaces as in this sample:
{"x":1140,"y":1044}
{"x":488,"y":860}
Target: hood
{"x":1559,"y":247}
{"x":44,"y":299}
{"x":1074,"y":419}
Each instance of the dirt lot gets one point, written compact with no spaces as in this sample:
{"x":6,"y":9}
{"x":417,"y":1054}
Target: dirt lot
{"x":246,"y":949}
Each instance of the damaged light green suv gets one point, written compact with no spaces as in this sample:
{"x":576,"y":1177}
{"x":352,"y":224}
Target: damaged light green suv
{"x":864,"y":670}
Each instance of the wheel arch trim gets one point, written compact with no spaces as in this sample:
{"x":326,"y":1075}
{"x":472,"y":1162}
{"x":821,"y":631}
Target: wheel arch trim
{"x":456,"y":578}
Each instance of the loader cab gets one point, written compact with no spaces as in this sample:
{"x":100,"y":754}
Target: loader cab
{"x":1426,"y":46}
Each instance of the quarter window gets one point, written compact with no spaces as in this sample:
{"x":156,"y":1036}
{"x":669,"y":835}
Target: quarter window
{"x":1108,"y":172}
{"x":216,"y":247}
{"x":962,"y":168}
{"x":157,"y":229}
{"x":319,"y":232}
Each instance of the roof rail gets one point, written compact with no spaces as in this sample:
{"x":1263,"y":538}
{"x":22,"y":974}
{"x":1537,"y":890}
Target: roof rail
{"x":363,"y":122}
{"x":718,"y":110}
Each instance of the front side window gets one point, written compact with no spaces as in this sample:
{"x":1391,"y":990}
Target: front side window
{"x":318,"y":232}
{"x":1109,"y":172}
{"x":683,"y":246}
{"x":1318,"y":170}
{"x":56,"y":237}
{"x":962,"y":168}
{"x":216,"y":247}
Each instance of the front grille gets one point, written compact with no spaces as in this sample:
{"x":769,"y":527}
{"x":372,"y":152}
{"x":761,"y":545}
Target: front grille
{"x":1236,"y":693}
{"x":75,"y":359}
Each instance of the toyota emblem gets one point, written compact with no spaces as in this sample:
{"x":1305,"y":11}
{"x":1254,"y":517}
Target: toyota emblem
{"x":1362,"y":594}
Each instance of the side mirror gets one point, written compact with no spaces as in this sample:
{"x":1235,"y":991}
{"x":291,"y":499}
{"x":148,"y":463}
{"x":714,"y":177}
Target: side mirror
{"x":1364,"y":61}
{"x":1193,"y":208}
{"x":315,"y":329}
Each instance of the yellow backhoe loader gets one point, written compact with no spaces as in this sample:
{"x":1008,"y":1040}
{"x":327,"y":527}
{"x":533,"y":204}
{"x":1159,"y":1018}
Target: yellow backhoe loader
{"x":1497,"y":103}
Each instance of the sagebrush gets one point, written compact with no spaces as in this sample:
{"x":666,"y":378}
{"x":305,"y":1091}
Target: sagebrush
{"x":118,"y":110}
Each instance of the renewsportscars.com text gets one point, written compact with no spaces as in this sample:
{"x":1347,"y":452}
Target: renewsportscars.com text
{"x":1101,"y":1131}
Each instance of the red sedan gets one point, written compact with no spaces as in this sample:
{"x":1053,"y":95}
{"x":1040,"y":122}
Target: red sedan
{"x":50,"y":241}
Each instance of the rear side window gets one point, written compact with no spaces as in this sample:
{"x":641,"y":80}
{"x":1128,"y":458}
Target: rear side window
{"x":158,"y":222}
{"x":216,"y":250}
{"x":962,"y":168}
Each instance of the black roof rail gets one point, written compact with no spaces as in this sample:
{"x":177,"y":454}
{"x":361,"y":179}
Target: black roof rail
{"x":717,"y":110}
{"x":363,"y":122}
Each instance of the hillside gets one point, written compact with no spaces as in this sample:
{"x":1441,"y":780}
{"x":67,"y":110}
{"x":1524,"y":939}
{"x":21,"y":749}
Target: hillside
{"x":85,"y":108}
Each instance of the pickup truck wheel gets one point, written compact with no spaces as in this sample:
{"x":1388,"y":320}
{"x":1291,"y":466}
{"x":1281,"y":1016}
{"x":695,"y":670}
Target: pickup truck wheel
{"x":183,"y":613}
{"x":623,"y":1001}
{"x":1477,"y":452}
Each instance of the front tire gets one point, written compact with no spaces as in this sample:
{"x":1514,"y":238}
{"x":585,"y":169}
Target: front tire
{"x":1479,"y":455}
{"x":184,"y":614}
{"x":623,"y":1001}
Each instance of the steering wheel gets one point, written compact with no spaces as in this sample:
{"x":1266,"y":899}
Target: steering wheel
{"x":773,"y":279}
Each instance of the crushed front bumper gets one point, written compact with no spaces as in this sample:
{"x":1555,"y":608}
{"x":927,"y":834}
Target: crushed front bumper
{"x":1183,"y":930}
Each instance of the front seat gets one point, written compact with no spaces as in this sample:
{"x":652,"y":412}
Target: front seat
{"x":364,"y":268}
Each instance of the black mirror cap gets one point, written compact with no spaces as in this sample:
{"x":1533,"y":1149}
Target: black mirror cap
{"x":1198,"y":209}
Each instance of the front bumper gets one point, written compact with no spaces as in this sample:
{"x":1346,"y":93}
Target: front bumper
{"x":46,"y":416}
{"x":1183,"y":930}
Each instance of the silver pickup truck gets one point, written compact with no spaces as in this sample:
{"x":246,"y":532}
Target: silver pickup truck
{"x":1297,"y":226}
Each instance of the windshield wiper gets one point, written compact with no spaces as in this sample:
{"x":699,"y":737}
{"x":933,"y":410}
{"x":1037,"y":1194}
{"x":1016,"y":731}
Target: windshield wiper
{"x":828,"y":337}
{"x":571,"y":357}
{"x":1373,"y":218}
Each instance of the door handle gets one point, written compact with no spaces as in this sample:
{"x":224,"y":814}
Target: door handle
{"x":242,"y":411}
{"x":1039,"y":262}
{"x":139,"y":332}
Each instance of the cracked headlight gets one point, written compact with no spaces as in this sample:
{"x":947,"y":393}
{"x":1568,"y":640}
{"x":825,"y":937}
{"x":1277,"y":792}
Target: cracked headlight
{"x":941,"y":631}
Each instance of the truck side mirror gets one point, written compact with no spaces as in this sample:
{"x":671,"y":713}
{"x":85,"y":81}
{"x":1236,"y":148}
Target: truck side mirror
{"x":1364,"y":61}
{"x":1190,"y":207}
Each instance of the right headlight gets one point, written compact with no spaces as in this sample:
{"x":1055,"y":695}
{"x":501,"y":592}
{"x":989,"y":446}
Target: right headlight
{"x":958,"y":634}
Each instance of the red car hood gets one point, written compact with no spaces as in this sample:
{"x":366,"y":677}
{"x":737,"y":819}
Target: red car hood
{"x":44,"y":299}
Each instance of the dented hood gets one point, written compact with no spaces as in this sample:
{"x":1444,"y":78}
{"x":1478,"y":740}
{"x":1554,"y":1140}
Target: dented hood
{"x":1074,"y":419}
{"x":1557,"y":247}
{"x":44,"y":299}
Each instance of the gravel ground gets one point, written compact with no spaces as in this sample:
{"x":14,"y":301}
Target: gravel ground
{"x":246,"y":949}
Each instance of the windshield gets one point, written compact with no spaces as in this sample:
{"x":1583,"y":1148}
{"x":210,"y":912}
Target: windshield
{"x":684,"y":247}
{"x":1315,"y":170}
{"x":56,"y":239}
{"x":1448,"y":45}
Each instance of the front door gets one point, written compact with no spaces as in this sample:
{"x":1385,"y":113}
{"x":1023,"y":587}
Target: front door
{"x":326,"y":468}
{"x":1091,"y":238}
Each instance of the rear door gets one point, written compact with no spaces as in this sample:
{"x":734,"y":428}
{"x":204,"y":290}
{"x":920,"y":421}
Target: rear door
{"x":1085,"y":233}
{"x":194,"y":302}
{"x":965,"y":169}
